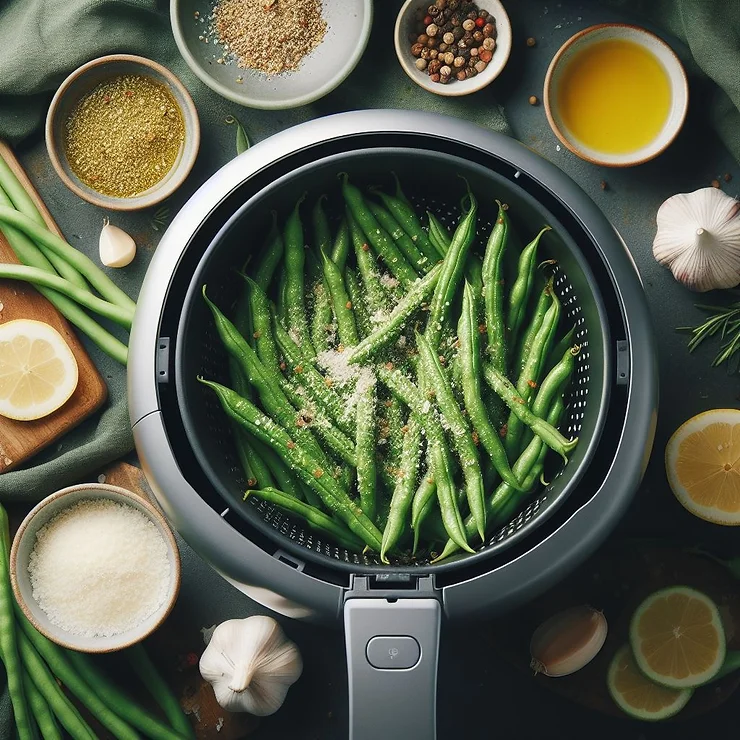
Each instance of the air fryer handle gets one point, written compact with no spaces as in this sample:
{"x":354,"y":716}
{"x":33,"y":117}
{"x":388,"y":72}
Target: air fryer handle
{"x":392,"y":650}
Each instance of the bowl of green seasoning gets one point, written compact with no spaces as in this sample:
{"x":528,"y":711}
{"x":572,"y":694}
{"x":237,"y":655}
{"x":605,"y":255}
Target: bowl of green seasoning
{"x":122,"y":132}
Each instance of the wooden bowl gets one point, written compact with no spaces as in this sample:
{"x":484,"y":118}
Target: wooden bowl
{"x":25,"y":540}
{"x":79,"y":84}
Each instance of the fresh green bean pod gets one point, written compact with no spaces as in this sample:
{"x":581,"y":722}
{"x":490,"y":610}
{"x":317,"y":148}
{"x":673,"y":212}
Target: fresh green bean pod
{"x":359,"y":307}
{"x":320,"y":223}
{"x":474,"y":275}
{"x":506,"y":391}
{"x":556,"y":353}
{"x":295,"y":262}
{"x":462,"y":439}
{"x":314,"y":517}
{"x":493,"y":290}
{"x":305,"y":466}
{"x":341,"y":246}
{"x":264,"y":341}
{"x":405,"y":216}
{"x":343,"y":309}
{"x":313,"y":381}
{"x":420,"y":262}
{"x":321,"y":316}
{"x":271,"y":256}
{"x":453,"y":267}
{"x":257,"y":471}
{"x":425,"y":497}
{"x":281,"y":306}
{"x":378,"y":238}
{"x":40,"y":711}
{"x":522,"y":288}
{"x":438,"y":235}
{"x":365,"y":444}
{"x":407,"y":392}
{"x":469,"y":357}
{"x":376,"y":295}
{"x":533,"y":369}
{"x":281,"y":473}
{"x":525,"y":345}
{"x":391,"y":329}
{"x":405,"y":488}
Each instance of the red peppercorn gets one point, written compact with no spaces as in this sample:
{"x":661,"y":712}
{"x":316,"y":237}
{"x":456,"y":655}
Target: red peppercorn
{"x":480,"y":22}
{"x":428,"y":19}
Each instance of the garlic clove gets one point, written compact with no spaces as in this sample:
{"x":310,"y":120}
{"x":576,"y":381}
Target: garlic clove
{"x":568,"y":641}
{"x":117,"y":248}
{"x":698,"y":238}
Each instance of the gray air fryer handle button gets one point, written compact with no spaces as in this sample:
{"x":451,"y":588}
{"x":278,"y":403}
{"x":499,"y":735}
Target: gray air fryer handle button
{"x":393,"y":652}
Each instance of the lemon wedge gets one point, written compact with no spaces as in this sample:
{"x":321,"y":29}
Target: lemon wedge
{"x":702,"y":462}
{"x":38,"y":372}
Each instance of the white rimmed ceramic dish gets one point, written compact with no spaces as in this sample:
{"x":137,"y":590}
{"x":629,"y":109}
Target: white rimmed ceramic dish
{"x":406,"y":24}
{"x":328,"y":65}
{"x":663,"y":53}
{"x":25,"y":540}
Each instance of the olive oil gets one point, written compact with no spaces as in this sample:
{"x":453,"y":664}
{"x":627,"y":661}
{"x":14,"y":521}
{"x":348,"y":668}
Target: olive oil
{"x":614,"y":96}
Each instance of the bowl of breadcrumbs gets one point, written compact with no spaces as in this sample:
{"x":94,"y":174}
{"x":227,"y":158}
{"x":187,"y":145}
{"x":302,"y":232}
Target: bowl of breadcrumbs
{"x":271,"y":54}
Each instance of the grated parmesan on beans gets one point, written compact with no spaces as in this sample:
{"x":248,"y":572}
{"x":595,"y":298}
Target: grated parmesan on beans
{"x":99,"y":568}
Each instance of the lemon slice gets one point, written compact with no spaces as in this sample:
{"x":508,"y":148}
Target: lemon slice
{"x":702,"y":460}
{"x":38,"y":372}
{"x":639,"y":696}
{"x":677,"y":638}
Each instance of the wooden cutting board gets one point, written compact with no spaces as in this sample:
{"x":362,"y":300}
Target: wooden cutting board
{"x":20,"y":440}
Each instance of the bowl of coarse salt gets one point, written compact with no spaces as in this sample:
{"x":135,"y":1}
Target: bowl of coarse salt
{"x":95,"y":568}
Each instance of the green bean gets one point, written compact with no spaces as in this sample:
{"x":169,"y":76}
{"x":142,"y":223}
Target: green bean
{"x":462,"y":439}
{"x":313,"y":381}
{"x":281,"y":474}
{"x":453,"y":267}
{"x":493,"y":290}
{"x":365,"y":444}
{"x":531,"y":373}
{"x":395,"y":431}
{"x":282,"y":304}
{"x":295,"y":260}
{"x":40,"y":710}
{"x":68,"y":716}
{"x":120,"y":315}
{"x":438,"y":234}
{"x":384,"y":246}
{"x":320,"y":223}
{"x":525,"y":345}
{"x":470,"y":364}
{"x":159,"y":690}
{"x":420,"y":262}
{"x":405,"y":216}
{"x":520,"y":291}
{"x":264,"y":341}
{"x":314,"y":517}
{"x":117,"y":701}
{"x":556,"y":353}
{"x":321,"y":317}
{"x":81,"y":262}
{"x":422,"y":505}
{"x":407,"y":392}
{"x":549,"y":435}
{"x":359,"y":307}
{"x":271,"y":256}
{"x":474,"y":274}
{"x":403,"y":493}
{"x":377,"y":297}
{"x":340,"y":250}
{"x":343,"y":309}
{"x":260,"y":471}
{"x":304,"y":465}
{"x":8,"y":636}
{"x":391,"y":329}
{"x":60,"y":667}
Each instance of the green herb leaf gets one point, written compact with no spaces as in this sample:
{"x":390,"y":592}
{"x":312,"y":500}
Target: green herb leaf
{"x":726,"y":321}
{"x":242,"y":141}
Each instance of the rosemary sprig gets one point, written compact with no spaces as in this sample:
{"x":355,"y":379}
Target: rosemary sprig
{"x":725,"y":321}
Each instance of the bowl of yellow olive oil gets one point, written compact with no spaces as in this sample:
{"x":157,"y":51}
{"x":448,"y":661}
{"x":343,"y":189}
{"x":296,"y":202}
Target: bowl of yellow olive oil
{"x":616,"y":95}
{"x":122,"y":132}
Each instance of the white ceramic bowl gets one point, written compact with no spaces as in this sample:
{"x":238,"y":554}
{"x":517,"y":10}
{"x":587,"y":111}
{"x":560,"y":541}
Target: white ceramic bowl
{"x":328,"y":65}
{"x":665,"y":55}
{"x":406,"y":24}
{"x":25,"y":540}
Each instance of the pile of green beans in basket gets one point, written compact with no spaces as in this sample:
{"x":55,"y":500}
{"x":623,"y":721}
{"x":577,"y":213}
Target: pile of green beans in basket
{"x":387,"y":386}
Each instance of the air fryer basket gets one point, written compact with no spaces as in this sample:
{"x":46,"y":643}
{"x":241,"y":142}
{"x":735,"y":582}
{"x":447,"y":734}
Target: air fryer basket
{"x":431,"y":180}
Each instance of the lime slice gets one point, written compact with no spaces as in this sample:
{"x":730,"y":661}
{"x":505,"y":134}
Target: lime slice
{"x":38,"y":372}
{"x":639,"y":696}
{"x":677,"y":638}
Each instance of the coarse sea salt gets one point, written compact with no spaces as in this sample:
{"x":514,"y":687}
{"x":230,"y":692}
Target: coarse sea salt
{"x":99,"y":568}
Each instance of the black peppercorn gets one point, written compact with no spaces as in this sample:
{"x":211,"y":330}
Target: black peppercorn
{"x":483,"y":14}
{"x":478,"y":36}
{"x":472,"y":15}
{"x":416,"y":49}
{"x":434,"y":66}
{"x":422,"y":38}
{"x":458,"y":32}
{"x":455,"y":20}
{"x":488,"y":30}
{"x":470,"y":72}
{"x":426,"y":53}
{"x":441,"y":4}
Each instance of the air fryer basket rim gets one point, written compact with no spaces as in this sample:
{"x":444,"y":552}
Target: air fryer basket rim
{"x":544,"y":506}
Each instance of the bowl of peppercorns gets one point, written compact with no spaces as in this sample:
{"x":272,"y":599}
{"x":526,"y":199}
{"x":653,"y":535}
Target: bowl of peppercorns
{"x":453,"y":47}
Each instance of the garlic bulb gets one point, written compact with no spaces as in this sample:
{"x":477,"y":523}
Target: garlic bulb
{"x":699,"y":239}
{"x":117,"y":248}
{"x":568,"y":641}
{"x":251,"y":664}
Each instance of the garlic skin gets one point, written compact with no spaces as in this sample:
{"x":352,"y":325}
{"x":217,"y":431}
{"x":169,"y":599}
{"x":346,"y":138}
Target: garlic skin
{"x":251,"y":664}
{"x":116,"y":247}
{"x":568,"y":641}
{"x":698,"y":238}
